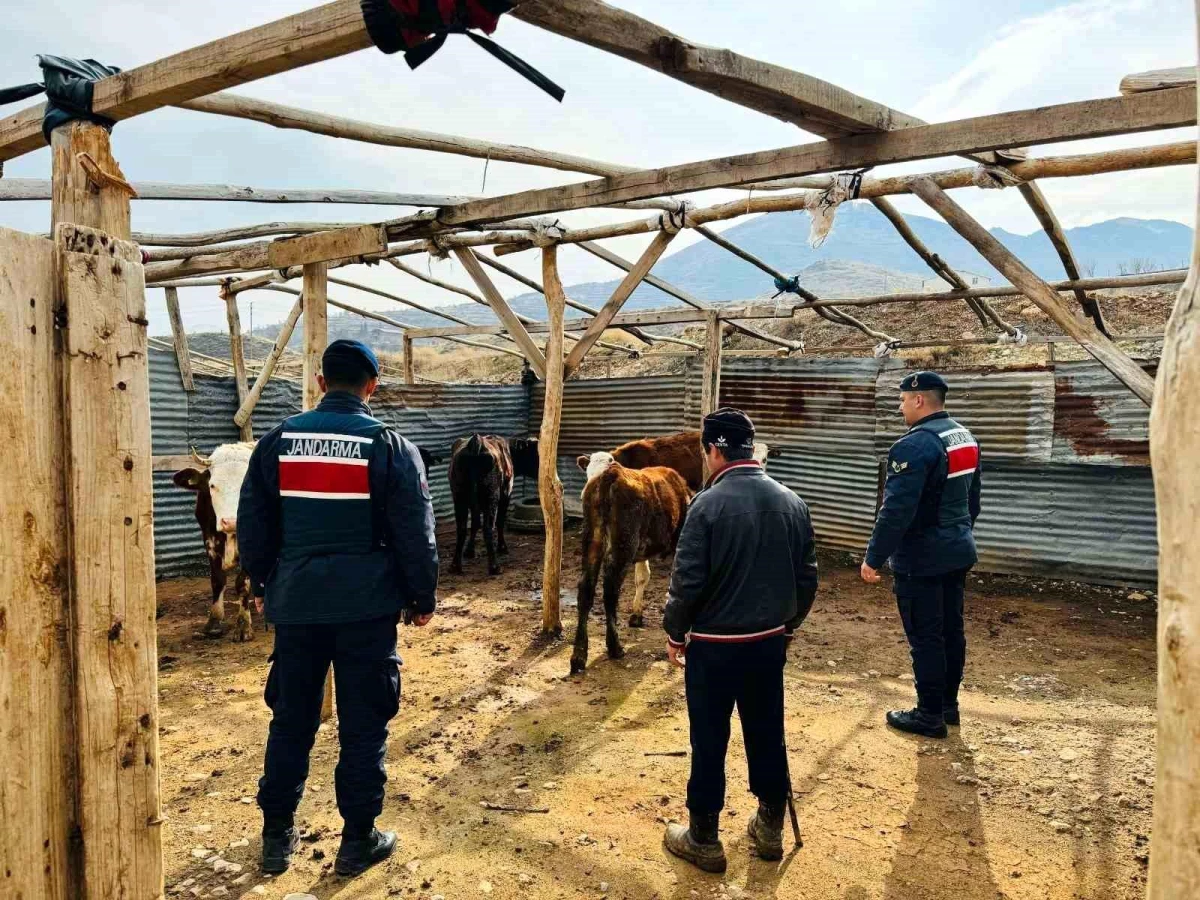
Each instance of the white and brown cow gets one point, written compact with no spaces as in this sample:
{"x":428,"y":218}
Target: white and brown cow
{"x":681,"y":452}
{"x":217,"y":487}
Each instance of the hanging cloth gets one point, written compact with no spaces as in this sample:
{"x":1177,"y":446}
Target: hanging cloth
{"x":420,"y":28}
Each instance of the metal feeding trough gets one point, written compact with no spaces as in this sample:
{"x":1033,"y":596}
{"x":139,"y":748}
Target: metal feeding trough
{"x":526,"y":514}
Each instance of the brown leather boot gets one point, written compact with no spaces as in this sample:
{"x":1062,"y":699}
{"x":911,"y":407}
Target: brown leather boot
{"x":698,"y":844}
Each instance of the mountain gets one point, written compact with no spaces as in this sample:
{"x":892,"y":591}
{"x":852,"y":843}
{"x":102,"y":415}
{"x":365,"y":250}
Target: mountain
{"x":862,"y":255}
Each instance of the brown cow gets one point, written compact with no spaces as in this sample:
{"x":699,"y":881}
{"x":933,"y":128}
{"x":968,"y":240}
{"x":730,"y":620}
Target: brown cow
{"x":629,"y":515}
{"x":481,"y":473}
{"x":682,"y":452}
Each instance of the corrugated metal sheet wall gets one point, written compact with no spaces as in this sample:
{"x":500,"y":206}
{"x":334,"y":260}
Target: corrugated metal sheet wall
{"x":429,"y":415}
{"x":1067,"y":486}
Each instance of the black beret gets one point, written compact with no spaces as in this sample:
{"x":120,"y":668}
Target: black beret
{"x":354,"y":353}
{"x":923,"y":381}
{"x":728,"y":427}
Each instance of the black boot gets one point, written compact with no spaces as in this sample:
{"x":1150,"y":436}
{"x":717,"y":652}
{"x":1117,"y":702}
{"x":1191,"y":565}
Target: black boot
{"x":357,"y":854}
{"x":766,"y":830}
{"x":918,"y":721}
{"x":699,"y":843}
{"x":279,"y":842}
{"x":950,"y":714}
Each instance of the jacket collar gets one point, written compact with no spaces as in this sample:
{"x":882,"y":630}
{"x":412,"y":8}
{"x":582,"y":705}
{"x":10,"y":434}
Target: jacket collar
{"x":940,"y":414}
{"x":343,"y":402}
{"x":739,"y":465}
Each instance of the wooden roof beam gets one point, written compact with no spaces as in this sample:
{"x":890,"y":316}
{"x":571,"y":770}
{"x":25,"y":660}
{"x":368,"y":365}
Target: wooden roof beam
{"x":1159,"y":79}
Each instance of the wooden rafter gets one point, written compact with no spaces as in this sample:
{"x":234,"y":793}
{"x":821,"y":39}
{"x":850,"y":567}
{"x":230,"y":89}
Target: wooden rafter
{"x":179,"y":337}
{"x":1089,"y":337}
{"x":624,"y":291}
{"x":1157,"y":80}
{"x":533,"y":353}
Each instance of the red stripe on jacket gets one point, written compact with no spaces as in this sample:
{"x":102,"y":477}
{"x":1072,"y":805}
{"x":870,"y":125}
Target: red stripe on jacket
{"x":323,"y":477}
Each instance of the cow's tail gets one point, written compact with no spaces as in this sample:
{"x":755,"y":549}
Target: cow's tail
{"x":597,"y":503}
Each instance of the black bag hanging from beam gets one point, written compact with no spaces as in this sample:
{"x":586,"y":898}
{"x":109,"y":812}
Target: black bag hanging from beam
{"x":68,"y":86}
{"x":420,"y":28}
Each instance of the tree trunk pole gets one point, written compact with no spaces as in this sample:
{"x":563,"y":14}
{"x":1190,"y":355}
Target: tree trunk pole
{"x":410,"y":375}
{"x":183,"y":355}
{"x":242,"y":417}
{"x":710,"y":388}
{"x":1174,"y":448}
{"x":237,"y":352}
{"x":315,"y":296}
{"x":109,"y":501}
{"x":549,"y":487}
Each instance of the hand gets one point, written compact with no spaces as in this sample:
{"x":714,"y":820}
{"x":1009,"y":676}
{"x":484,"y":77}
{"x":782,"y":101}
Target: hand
{"x":869,"y":575}
{"x":422,"y":620}
{"x":676,"y":655}
{"x":258,"y":605}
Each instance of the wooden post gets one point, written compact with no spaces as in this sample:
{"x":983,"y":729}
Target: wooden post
{"x":183,"y":354}
{"x":710,"y":387}
{"x":242,"y":416}
{"x":1174,"y":446}
{"x":409,"y":369}
{"x":1085,"y":332}
{"x":316,"y":328}
{"x":37,"y":780}
{"x":237,"y":353}
{"x":109,"y":501}
{"x":315,"y":298}
{"x":549,"y":487}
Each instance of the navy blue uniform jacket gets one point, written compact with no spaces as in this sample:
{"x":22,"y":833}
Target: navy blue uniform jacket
{"x":340,"y":561}
{"x":906,"y":530}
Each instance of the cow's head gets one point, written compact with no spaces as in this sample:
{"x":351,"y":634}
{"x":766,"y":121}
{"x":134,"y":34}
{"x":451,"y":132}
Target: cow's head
{"x":596,"y":463}
{"x":217,"y":490}
{"x":524,"y":453}
{"x":428,"y":458}
{"x":762,"y":453}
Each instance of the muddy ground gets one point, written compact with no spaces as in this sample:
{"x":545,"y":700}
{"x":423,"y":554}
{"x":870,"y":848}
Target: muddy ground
{"x":1045,"y":791}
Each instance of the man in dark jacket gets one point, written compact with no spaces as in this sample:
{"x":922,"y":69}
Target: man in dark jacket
{"x":925,"y":530}
{"x":744,"y":579}
{"x":336,"y":528}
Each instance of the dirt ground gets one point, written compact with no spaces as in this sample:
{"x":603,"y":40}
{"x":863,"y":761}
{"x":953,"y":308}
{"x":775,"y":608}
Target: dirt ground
{"x":1045,"y":791}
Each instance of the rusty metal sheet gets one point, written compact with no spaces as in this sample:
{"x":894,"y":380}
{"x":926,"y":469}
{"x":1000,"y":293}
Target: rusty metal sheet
{"x":1096,"y":418}
{"x":1010,"y":411}
{"x":813,"y":405}
{"x":600,"y":414}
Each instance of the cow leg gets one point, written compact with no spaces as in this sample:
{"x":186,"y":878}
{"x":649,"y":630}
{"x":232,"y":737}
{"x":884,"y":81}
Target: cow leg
{"x":586,"y":594}
{"x":501,"y":520}
{"x":475,"y":507}
{"x":614,"y":575}
{"x":641,"y":578}
{"x":243,"y":626}
{"x":215,"y":626}
{"x":460,"y":528}
{"x":489,"y":534}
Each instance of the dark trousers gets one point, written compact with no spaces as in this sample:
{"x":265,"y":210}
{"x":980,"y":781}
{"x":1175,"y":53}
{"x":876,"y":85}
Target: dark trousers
{"x":367,"y":682}
{"x":750,"y":675}
{"x":931,"y":607}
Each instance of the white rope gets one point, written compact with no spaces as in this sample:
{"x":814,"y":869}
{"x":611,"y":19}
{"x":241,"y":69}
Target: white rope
{"x":1019,"y":338}
{"x":884,"y":349}
{"x":676,"y":220}
{"x":994,"y":178}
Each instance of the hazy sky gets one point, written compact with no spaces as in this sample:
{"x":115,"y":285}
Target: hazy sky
{"x":932,"y":58}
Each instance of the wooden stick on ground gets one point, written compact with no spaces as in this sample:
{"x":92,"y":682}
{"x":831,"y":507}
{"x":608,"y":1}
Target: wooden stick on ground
{"x":1098,"y":345}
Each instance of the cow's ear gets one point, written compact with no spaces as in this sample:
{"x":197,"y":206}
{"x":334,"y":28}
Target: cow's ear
{"x":582,"y":462}
{"x":191,"y":479}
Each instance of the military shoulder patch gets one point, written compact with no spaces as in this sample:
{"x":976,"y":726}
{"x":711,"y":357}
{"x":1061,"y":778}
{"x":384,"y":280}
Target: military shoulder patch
{"x":898,"y":466}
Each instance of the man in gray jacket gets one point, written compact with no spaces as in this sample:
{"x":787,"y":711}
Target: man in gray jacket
{"x":744,"y":579}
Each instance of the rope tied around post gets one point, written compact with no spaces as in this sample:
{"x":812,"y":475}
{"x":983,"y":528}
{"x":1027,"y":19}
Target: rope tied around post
{"x":822,"y":207}
{"x":1016,"y":336}
{"x":437,"y":249}
{"x":884,"y":349}
{"x":547,"y":234}
{"x":786,"y":286}
{"x":674,"y":221}
{"x":994,"y":178}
